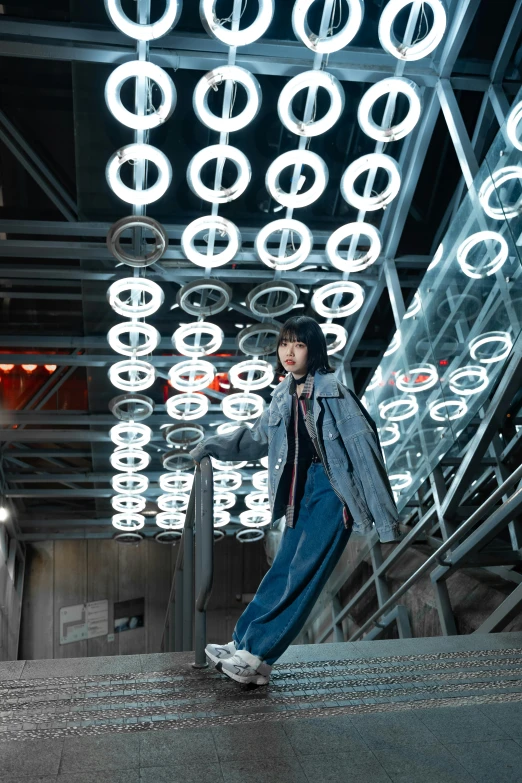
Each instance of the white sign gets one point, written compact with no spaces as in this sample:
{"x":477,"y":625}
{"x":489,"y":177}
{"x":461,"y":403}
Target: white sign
{"x":84,"y":621}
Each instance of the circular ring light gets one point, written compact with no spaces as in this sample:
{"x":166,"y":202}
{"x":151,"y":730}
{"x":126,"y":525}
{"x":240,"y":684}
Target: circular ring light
{"x":187,"y":406}
{"x":129,"y":459}
{"x":170,"y":520}
{"x":294,"y":259}
{"x":135,"y":297}
{"x":221,"y":464}
{"x":260,"y":480}
{"x":415,"y":306}
{"x":375,"y":380}
{"x":140,"y":375}
{"x":219,"y":152}
{"x":194,"y":297}
{"x":144,"y":32}
{"x":139,"y":152}
{"x":258,"y":339}
{"x":440,"y":411}
{"x":418,"y":49}
{"x":134,"y":330}
{"x":174,"y":461}
{"x":268,"y":289}
{"x":490,"y":187}
{"x":227,"y":427}
{"x":184,"y":436}
{"x":227,"y":480}
{"x":297,"y":158}
{"x":221,"y":518}
{"x":197,"y":331}
{"x":475,"y":374}
{"x":242,"y":406}
{"x":391,"y":86}
{"x":211,"y":223}
{"x":127,"y":521}
{"x":339,"y":334}
{"x":161,"y":241}
{"x":254,"y":518}
{"x":493,"y":265}
{"x":389,"y":434}
{"x":394,"y":345}
{"x":400,"y":481}
{"x":399,"y":409}
{"x":135,"y":69}
{"x":130,"y":483}
{"x":249,"y":536}
{"x":418,"y":379}
{"x":132,"y":504}
{"x":168,"y":536}
{"x":213,"y":26}
{"x":354,"y":230}
{"x":259,"y":375}
{"x":257,"y":501}
{"x":173,"y":502}
{"x":176,"y":482}
{"x":215,"y":78}
{"x":490,"y":338}
{"x":263,"y":461}
{"x":131,"y":407}
{"x":311,"y":80}
{"x":129,"y":433}
{"x":373,"y":161}
{"x":329,"y":43}
{"x":224,"y":501}
{"x":332,"y":289}
{"x":436,"y":258}
{"x":513,"y":125}
{"x":194,"y":375}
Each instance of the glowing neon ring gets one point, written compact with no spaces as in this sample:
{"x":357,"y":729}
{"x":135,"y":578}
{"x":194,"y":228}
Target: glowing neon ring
{"x":173,"y":502}
{"x":219,"y":152}
{"x":340,"y":336}
{"x":400,"y":481}
{"x":216,"y":77}
{"x":137,"y":68}
{"x":492,"y":266}
{"x":221,"y":464}
{"x":489,"y":187}
{"x":260,"y":480}
{"x":404,"y":383}
{"x":224,"y":500}
{"x":394,"y":84}
{"x":257,"y":501}
{"x":141,"y":375}
{"x":249,"y":535}
{"x":264,"y":370}
{"x":129,"y":433}
{"x":129,"y":459}
{"x":330,"y":43}
{"x":386,"y":409}
{"x":375,"y":380}
{"x":273,"y":287}
{"x":195,"y":406}
{"x":183,"y":436}
{"x":392,"y":438}
{"x":161,"y":241}
{"x":415,"y":306}
{"x":252,"y":518}
{"x":130,"y":483}
{"x":221,"y":518}
{"x":179,"y":338}
{"x":142,"y":297}
{"x":144,"y":32}
{"x":127,"y":521}
{"x":297,"y":158}
{"x":210,"y":223}
{"x":250,"y":342}
{"x":491,"y":337}
{"x":332,"y":289}
{"x":394,"y":345}
{"x":228,"y":427}
{"x":176,"y":482}
{"x":311,"y":80}
{"x":139,"y":152}
{"x":170,"y":520}
{"x":132,"y":504}
{"x":354,"y":230}
{"x":151,"y":338}
{"x":263,"y":461}
{"x":284,"y":262}
{"x":242,"y":406}
{"x":131,"y":407}
{"x":200,"y":375}
{"x":374,"y":160}
{"x":415,"y":51}
{"x":176,"y":462}
{"x":469,"y":371}
{"x":216,"y":287}
{"x":435,"y":409}
{"x":512,"y":126}
{"x":228,"y":480}
{"x":436,"y":258}
{"x":248,"y":35}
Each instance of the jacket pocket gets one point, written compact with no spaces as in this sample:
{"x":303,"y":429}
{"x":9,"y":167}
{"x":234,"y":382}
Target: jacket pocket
{"x":273,"y":424}
{"x":335,"y":451}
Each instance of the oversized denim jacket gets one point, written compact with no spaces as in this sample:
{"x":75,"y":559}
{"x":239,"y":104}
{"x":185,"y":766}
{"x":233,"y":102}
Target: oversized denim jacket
{"x":351,"y":445}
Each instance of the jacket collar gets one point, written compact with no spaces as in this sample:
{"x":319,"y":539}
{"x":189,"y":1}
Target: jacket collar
{"x":325,"y":385}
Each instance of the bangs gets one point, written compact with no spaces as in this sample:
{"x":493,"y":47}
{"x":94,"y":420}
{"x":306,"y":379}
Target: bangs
{"x":292,"y":335}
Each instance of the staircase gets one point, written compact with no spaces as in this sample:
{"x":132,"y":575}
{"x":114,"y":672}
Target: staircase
{"x":431,"y":709}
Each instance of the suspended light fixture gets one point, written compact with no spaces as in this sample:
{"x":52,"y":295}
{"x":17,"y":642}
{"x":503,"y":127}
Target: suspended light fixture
{"x":130,"y":483}
{"x":248,"y":35}
{"x":419,"y":48}
{"x":391,"y":86}
{"x":354,"y":231}
{"x":284,"y":262}
{"x":144,"y":32}
{"x":373,"y":161}
{"x":138,"y":152}
{"x":311,"y":80}
{"x":211,"y":81}
{"x":328,"y":43}
{"x":140,"y":69}
{"x":135,"y":297}
{"x":132,"y":375}
{"x":219,"y":153}
{"x":297,"y":158}
{"x":338,"y":288}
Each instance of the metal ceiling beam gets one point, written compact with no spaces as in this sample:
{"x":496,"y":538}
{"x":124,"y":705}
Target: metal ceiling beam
{"x":12,"y":455}
{"x":507,"y":44}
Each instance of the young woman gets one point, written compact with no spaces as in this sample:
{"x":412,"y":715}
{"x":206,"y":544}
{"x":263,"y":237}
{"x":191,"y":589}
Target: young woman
{"x":326,"y":476}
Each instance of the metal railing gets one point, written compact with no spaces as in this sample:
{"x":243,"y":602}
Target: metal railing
{"x":185,"y":626}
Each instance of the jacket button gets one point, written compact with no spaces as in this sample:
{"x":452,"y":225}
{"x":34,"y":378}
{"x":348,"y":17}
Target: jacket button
{"x":277,"y":467}
{"x":279,"y":460}
{"x":331,"y":436}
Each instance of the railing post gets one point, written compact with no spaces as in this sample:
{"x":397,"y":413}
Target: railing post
{"x":177,"y":610}
{"x":188,"y":591}
{"x":204,"y":556}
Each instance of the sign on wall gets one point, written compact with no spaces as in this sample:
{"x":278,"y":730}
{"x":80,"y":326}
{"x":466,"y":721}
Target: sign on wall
{"x":84,"y":621}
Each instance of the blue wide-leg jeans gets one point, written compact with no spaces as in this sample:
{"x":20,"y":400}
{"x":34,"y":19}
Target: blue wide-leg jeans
{"x":307,"y":555}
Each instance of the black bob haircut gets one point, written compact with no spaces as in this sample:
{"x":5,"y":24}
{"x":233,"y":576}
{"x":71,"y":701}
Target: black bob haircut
{"x":302,"y":329}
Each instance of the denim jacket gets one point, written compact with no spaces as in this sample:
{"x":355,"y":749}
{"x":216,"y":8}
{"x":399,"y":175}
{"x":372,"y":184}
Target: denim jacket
{"x":350,"y":442}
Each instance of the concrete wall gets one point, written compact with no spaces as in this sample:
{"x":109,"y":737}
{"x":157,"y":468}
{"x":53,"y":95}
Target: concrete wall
{"x":11,"y":588}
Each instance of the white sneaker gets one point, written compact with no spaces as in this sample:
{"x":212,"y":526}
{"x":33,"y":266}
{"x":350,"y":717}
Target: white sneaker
{"x":218,"y":652}
{"x":245,"y":668}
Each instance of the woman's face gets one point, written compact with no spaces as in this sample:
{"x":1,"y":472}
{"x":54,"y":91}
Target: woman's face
{"x":294,"y":357}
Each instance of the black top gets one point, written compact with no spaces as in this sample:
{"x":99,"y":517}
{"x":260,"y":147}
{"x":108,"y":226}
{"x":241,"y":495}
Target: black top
{"x":305,"y":455}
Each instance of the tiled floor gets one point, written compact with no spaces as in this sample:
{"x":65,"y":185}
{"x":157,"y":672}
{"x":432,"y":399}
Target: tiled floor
{"x":412,"y":711}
